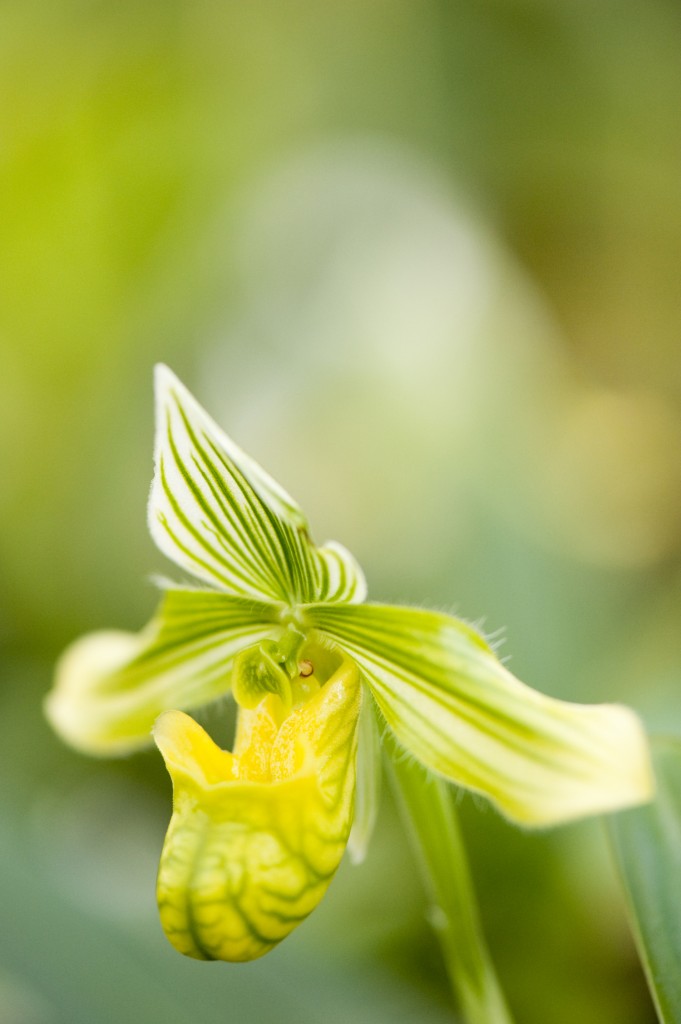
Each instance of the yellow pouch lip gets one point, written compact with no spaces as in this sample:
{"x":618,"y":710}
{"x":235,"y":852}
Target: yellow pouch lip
{"x":257,"y":835}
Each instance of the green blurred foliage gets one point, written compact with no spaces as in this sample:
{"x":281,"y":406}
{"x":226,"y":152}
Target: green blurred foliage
{"x":421,"y":259}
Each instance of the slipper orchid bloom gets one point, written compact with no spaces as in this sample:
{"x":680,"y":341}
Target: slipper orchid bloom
{"x":257,"y":833}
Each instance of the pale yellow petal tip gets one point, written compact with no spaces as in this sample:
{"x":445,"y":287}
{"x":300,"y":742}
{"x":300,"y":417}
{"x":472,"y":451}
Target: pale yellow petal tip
{"x":610,"y":770}
{"x":626,"y":753}
{"x":639,"y":778}
{"x":74,"y":707}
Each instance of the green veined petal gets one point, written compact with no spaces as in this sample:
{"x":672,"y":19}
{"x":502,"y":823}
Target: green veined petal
{"x":456,"y":708}
{"x":111,"y":686}
{"x":248,"y":857}
{"x":219,"y":516}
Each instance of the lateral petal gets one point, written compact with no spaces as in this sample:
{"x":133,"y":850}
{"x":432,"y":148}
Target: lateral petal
{"x":111,"y":686}
{"x":455,"y":707}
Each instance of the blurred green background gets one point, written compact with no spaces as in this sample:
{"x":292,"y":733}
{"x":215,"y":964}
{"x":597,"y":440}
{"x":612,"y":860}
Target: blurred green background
{"x":422,"y":260}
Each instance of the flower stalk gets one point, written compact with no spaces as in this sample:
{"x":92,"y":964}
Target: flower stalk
{"x":432,"y":825}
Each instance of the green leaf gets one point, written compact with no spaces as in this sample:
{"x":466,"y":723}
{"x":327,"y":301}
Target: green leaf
{"x":647,"y":843}
{"x":111,"y":686}
{"x":460,"y":712}
{"x":219,"y":516}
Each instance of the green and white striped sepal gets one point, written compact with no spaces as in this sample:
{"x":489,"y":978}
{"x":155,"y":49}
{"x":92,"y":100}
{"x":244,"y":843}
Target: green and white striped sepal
{"x":219,"y":516}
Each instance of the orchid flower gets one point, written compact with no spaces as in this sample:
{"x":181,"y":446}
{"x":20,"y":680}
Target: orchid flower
{"x":257,"y":833}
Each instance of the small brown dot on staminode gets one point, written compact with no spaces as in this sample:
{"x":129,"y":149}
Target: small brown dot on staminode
{"x":306,"y":668}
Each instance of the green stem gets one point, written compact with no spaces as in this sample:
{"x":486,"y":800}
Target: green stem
{"x":426,"y":802}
